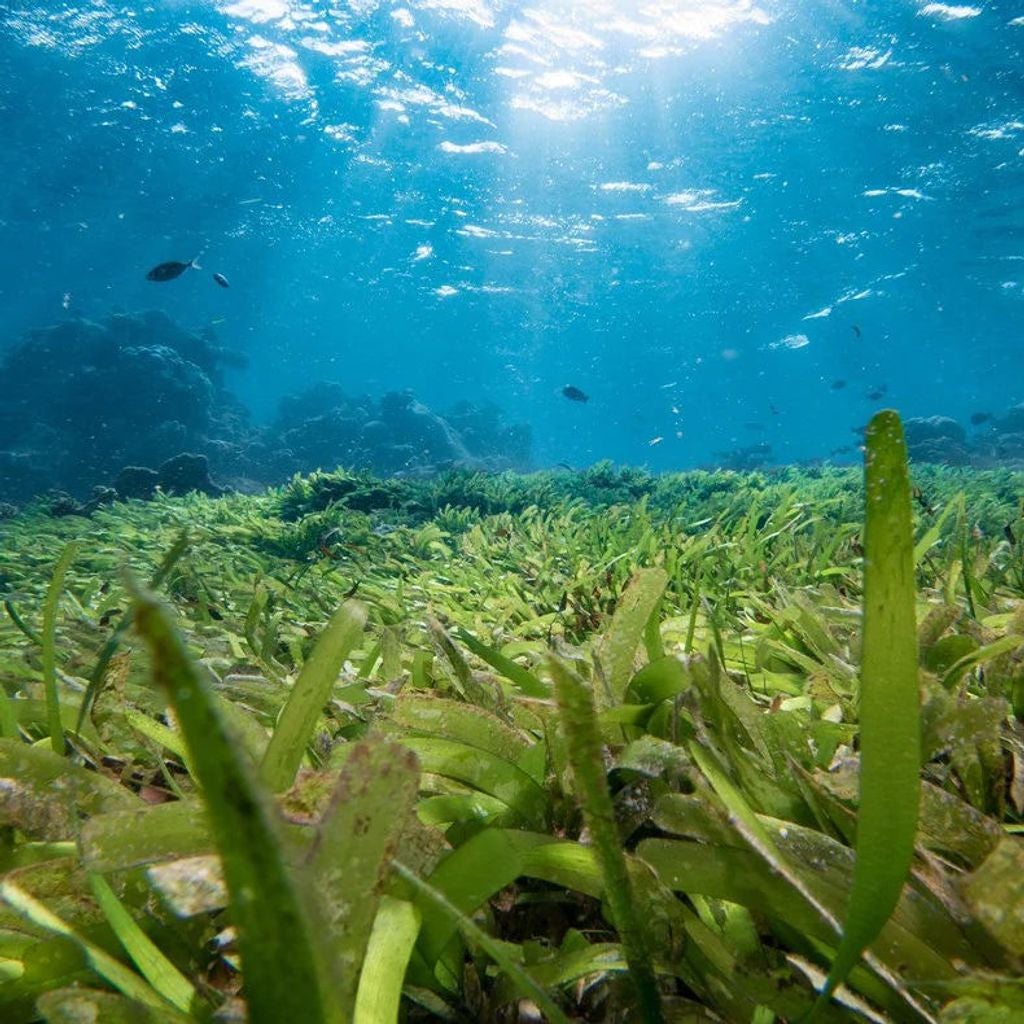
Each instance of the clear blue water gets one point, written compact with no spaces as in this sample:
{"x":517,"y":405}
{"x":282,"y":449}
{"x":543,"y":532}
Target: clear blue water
{"x":702,"y":214}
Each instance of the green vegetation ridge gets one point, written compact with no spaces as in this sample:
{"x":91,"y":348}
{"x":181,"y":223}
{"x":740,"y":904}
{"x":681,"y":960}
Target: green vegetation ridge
{"x":576,"y":745}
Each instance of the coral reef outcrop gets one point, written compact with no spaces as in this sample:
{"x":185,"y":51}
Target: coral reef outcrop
{"x":137,"y":402}
{"x":937,"y":439}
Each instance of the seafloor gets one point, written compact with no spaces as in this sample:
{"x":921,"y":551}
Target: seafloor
{"x":743,"y":630}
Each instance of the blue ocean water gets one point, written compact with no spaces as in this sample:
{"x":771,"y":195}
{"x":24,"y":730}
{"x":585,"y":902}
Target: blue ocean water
{"x":728,"y":223}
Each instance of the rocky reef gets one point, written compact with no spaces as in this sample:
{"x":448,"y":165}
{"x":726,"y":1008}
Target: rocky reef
{"x":136,"y":402}
{"x":937,"y":439}
{"x":397,"y":434}
{"x":84,"y":399}
{"x":999,"y":441}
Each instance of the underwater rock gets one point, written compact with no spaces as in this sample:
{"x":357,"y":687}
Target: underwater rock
{"x":22,"y":476}
{"x":7,"y":510}
{"x":1012,"y":421}
{"x":325,"y":440}
{"x":321,"y":398}
{"x":65,"y":505}
{"x":395,"y":435}
{"x":743,"y":460}
{"x":1008,"y":447}
{"x":417,"y":435}
{"x":83,"y":399}
{"x":938,"y":439}
{"x":485,"y":433}
{"x":154,"y":327}
{"x":999,"y":441}
{"x":919,"y":429}
{"x":181,"y":474}
{"x":137,"y":482}
{"x":185,"y":473}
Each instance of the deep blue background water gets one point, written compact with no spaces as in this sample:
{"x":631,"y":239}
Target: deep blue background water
{"x":684,"y":209}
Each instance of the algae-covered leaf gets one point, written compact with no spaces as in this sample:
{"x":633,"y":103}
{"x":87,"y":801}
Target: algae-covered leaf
{"x":274,"y":925}
{"x":87,"y":1005}
{"x":618,"y":646}
{"x":967,"y":732}
{"x":652,"y":757}
{"x":949,"y":650}
{"x":191,"y":885}
{"x":980,"y":1011}
{"x":42,"y":792}
{"x":457,"y":720}
{"x":354,"y":841}
{"x":995,"y":892}
{"x":659,"y":680}
{"x":309,"y":694}
{"x":932,"y":627}
{"x":890,"y":741}
{"x":978,"y":656}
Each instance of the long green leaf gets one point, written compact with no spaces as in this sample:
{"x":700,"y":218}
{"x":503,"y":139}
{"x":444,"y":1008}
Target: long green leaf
{"x":496,"y":950}
{"x":469,"y":876}
{"x":176,"y":550}
{"x":309,"y":695}
{"x":126,"y":981}
{"x":53,"y":592}
{"x":387,"y":955}
{"x":266,"y":906}
{"x":152,"y":964}
{"x":890,"y":729}
{"x":486,"y":772}
{"x":520,"y":677}
{"x":579,"y":722}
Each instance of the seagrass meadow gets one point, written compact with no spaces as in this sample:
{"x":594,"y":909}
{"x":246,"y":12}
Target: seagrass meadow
{"x":589,"y":746}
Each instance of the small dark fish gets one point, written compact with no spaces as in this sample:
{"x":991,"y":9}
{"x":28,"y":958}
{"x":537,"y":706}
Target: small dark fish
{"x":842,"y":450}
{"x":221,"y":280}
{"x":171,"y":269}
{"x":574,"y":394}
{"x":838,"y":385}
{"x":773,"y":410}
{"x":877,"y":394}
{"x":980,"y":417}
{"x":108,"y":615}
{"x":351,"y":592}
{"x":1010,"y":535}
{"x":918,"y":496}
{"x":855,"y":329}
{"x":565,"y":466}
